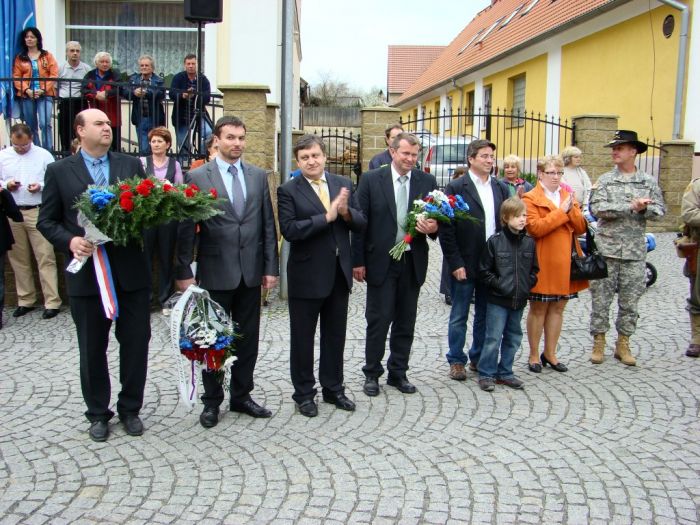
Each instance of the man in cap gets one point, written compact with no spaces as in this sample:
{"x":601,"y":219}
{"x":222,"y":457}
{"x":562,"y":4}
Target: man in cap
{"x":622,"y":200}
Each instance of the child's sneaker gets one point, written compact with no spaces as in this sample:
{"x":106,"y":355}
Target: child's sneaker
{"x":512,"y":382}
{"x":487,"y":384}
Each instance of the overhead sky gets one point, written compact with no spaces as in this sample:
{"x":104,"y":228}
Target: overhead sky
{"x":349,"y":39}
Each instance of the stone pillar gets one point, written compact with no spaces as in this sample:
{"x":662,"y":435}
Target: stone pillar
{"x":271,"y":138}
{"x":675,"y":173}
{"x":249,"y":103}
{"x":592,"y":132}
{"x":374,"y":122}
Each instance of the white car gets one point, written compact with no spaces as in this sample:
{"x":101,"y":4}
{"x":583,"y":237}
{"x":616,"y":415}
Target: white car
{"x":442,"y":156}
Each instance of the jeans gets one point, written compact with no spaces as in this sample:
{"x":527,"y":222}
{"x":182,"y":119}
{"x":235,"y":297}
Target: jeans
{"x":142,"y":128}
{"x":502,"y":331}
{"x":42,"y":107}
{"x":462,"y":292}
{"x":181,"y":136}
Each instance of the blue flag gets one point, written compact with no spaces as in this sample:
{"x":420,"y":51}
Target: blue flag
{"x":15,"y":16}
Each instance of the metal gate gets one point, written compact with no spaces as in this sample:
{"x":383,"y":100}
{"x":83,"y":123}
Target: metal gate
{"x":342,"y":151}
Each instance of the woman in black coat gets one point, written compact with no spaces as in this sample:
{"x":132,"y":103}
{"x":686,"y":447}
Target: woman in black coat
{"x":8,"y":208}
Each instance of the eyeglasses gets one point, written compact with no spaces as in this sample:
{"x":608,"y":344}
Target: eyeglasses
{"x":486,"y":156}
{"x":553,"y":173}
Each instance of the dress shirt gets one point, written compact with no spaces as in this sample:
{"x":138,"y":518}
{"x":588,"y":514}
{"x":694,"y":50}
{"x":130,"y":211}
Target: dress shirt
{"x":228,"y":179}
{"x":89,"y":163}
{"x":317,"y":188}
{"x":26,"y":169}
{"x":554,"y":196}
{"x":161,"y":172}
{"x":485,"y":192}
{"x":397,"y":185}
{"x":71,"y":89}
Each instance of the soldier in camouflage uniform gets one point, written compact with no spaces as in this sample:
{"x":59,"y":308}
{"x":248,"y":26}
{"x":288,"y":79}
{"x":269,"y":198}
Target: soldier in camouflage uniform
{"x":622,"y":200}
{"x":690,"y":214}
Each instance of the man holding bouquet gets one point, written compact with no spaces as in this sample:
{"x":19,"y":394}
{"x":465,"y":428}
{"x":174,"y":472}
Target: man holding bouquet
{"x":65,"y":181}
{"x":385,"y":195}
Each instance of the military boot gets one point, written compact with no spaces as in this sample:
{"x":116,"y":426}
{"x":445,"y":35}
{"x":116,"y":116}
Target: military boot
{"x":694,"y":347}
{"x":597,"y":356}
{"x":622,"y":350}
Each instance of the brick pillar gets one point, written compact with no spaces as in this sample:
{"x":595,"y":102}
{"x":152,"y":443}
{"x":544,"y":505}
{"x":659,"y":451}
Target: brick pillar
{"x":374,"y":122}
{"x":675,"y":172}
{"x":249,"y":103}
{"x":592,"y":132}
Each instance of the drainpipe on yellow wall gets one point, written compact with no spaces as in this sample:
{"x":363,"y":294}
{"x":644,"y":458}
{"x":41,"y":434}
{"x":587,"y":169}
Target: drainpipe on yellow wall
{"x":680,"y":73}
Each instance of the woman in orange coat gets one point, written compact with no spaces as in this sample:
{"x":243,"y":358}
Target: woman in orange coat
{"x":35,"y":96}
{"x":554,"y":219}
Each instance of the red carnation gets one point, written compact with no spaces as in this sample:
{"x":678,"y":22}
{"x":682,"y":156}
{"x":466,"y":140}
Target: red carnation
{"x":194,"y":187}
{"x":452,"y":199}
{"x":144,"y":189}
{"x":168,"y":187}
{"x":126,"y":195}
{"x":189,"y":192}
{"x":148,"y":183}
{"x":212,"y":192}
{"x":124,"y":187}
{"x":407,"y":238}
{"x":126,"y":204}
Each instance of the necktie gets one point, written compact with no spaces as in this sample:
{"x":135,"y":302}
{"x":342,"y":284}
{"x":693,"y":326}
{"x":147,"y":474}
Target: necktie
{"x":237,"y":198}
{"x":322,"y":193}
{"x":401,"y":207}
{"x":98,"y":173}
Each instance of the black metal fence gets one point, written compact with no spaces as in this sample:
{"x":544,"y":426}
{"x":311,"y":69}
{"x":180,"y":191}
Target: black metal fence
{"x":650,"y":160}
{"x":343,"y":151}
{"x":120,"y":100}
{"x":529,"y":135}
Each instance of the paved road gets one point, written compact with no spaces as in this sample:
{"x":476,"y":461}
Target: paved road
{"x":595,"y":445}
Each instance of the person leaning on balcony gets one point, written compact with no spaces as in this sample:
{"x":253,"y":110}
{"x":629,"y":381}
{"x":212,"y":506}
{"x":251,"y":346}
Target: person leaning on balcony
{"x":70,"y":101}
{"x":32,"y":66}
{"x":146,"y":91}
{"x":22,"y":168}
{"x":554,"y":219}
{"x":622,"y":199}
{"x":183,"y":93}
{"x":161,"y":239}
{"x":102,"y":91}
{"x":384,"y":158}
{"x":575,"y":176}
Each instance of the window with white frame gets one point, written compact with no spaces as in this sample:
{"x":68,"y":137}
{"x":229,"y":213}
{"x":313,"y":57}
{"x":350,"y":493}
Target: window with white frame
{"x":447,"y":115}
{"x":128,"y":29}
{"x":518,"y":101}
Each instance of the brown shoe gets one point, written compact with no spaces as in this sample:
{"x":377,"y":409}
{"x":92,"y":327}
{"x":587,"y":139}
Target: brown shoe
{"x":693,"y":350}
{"x":457,"y":372}
{"x":472,"y":366}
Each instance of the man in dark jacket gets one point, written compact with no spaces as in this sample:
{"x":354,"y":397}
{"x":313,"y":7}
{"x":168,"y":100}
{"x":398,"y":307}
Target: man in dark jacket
{"x":146,"y":91}
{"x":186,"y":100}
{"x":8,"y":208}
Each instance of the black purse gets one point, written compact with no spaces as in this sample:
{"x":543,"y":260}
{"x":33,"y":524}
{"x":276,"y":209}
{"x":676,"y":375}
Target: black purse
{"x":587,"y":267}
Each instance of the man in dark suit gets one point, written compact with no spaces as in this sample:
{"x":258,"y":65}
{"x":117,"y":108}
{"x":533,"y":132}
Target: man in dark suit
{"x":384,"y":196}
{"x":236,"y":254}
{"x":384,"y":158}
{"x":316,"y":217}
{"x":462,"y":243}
{"x":65,"y":181}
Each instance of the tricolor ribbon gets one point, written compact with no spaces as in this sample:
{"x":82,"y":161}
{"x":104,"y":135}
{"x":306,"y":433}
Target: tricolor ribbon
{"x":103,"y":271}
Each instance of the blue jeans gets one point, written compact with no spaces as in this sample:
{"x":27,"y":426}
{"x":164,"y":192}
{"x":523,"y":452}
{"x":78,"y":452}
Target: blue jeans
{"x":181,"y":135}
{"x":142,"y":128}
{"x":462,"y":292}
{"x":43,"y":107}
{"x":502,"y":331}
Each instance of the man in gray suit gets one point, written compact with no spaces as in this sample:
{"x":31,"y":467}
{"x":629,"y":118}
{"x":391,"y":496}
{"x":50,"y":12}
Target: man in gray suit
{"x":236,"y":254}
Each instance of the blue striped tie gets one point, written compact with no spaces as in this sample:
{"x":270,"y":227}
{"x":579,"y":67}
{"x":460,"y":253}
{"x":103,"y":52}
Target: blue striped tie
{"x":98,"y":174}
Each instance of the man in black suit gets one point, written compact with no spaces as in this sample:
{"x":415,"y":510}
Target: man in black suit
{"x":462,"y":243}
{"x":236,"y":254}
{"x":384,"y":158}
{"x":385,"y":196}
{"x":316,"y":217}
{"x":65,"y":181}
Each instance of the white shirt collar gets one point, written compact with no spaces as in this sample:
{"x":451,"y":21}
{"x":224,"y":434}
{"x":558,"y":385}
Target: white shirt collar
{"x":477,"y":180}
{"x":395,"y":174}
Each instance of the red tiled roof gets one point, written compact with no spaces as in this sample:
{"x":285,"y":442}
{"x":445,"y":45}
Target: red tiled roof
{"x":544,"y":17}
{"x":406,"y":63}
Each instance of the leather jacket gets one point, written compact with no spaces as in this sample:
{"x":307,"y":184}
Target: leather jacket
{"x":508,"y":267}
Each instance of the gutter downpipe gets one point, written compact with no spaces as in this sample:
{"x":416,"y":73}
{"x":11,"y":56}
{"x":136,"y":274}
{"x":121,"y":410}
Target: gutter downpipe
{"x":287,"y":78}
{"x":682,"y":59}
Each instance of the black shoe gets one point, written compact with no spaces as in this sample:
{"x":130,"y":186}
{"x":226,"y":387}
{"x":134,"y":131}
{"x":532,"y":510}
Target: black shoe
{"x":401,"y":384}
{"x":23,"y":310}
{"x":99,"y":430}
{"x":448,"y":300}
{"x":340,"y":400}
{"x":371,"y":387}
{"x":49,"y":313}
{"x":132,"y":425}
{"x":209,"y":417}
{"x":559,"y":367}
{"x":535,"y":367}
{"x":250,"y":407}
{"x":308,"y":408}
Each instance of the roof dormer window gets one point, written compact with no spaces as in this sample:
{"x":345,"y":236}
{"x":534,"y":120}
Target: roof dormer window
{"x":529,"y":8}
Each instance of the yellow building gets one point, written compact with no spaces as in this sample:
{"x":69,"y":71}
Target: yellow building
{"x":563,"y":59}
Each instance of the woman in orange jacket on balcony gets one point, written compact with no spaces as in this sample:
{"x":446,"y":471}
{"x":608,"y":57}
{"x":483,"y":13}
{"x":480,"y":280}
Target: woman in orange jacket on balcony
{"x":32,"y":67}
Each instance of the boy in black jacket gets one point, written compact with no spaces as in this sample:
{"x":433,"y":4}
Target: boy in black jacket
{"x":508,"y":267}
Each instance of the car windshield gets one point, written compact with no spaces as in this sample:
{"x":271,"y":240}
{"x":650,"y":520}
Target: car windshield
{"x":450,"y":153}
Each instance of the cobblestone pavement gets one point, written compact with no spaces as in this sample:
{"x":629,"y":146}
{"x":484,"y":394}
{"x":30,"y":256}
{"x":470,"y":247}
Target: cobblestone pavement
{"x":595,"y":445}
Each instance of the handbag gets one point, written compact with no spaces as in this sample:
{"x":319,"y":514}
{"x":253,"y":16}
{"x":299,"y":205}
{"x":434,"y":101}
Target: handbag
{"x":590,"y":266}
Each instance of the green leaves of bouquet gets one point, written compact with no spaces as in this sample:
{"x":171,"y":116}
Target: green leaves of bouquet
{"x":122,"y":211}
